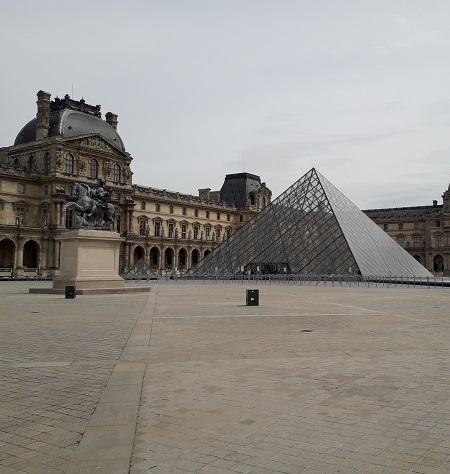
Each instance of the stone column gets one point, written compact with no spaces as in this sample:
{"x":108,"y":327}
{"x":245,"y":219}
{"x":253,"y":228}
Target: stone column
{"x":130,"y":221}
{"x":56,"y":253}
{"x":19,"y":257}
{"x":43,"y":256}
{"x":188,"y":257}
{"x":59,"y":214}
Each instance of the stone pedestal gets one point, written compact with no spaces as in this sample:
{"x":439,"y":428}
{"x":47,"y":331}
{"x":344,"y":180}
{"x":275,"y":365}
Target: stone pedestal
{"x":89,"y":260}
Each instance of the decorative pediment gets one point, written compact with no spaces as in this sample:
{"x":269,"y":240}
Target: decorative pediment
{"x":20,"y":204}
{"x":96,"y":142}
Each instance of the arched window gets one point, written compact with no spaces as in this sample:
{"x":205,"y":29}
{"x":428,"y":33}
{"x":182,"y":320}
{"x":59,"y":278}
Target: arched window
{"x":69,"y":163}
{"x":116,"y":173}
{"x":438,"y":263}
{"x":94,"y":168}
{"x":31,"y":163}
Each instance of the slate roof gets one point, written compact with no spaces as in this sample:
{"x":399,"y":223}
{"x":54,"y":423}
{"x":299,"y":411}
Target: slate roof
{"x":413,"y":212}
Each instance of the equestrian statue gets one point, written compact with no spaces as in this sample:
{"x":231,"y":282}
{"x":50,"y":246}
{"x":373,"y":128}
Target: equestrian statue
{"x":92,"y":209}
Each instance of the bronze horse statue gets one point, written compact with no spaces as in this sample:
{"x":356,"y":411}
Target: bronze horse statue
{"x":94,"y":212}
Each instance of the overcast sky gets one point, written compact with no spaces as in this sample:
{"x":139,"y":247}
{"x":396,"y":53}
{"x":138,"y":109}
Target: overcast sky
{"x":358,"y":89}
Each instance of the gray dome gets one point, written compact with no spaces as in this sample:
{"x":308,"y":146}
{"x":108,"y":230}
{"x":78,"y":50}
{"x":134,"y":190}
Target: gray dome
{"x":70,"y":123}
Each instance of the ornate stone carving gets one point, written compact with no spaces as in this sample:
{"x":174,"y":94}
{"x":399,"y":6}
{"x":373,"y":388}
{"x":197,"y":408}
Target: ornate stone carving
{"x":81,"y":164}
{"x":107,"y":168}
{"x":127,"y":172}
{"x":68,"y":103}
{"x":97,"y":143}
{"x":59,"y":159}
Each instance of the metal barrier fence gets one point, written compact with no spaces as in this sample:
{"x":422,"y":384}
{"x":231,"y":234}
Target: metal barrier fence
{"x":328,"y":280}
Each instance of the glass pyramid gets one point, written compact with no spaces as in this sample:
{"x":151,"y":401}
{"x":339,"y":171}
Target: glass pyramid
{"x":311,"y":228}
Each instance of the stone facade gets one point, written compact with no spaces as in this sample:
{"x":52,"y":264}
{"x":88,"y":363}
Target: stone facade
{"x":68,"y":142}
{"x":424,"y":231}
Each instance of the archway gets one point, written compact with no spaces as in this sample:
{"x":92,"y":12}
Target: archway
{"x":154,"y":257}
{"x":7,"y":250}
{"x":195,"y":257}
{"x":168,"y":258}
{"x":182,"y":259}
{"x":30,"y":254}
{"x":438,"y":263}
{"x":206,"y":252}
{"x":138,"y":253}
{"x":417,"y":257}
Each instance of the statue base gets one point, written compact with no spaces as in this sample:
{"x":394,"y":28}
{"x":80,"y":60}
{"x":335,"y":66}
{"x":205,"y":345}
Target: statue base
{"x":89,"y":259}
{"x":90,"y":263}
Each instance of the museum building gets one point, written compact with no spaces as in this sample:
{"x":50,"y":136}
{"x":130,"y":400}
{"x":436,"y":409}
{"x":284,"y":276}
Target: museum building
{"x":423,"y":231}
{"x":69,"y":142}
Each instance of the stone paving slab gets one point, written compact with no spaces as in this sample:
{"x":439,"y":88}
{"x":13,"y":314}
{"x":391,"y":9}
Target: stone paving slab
{"x":188,"y":379}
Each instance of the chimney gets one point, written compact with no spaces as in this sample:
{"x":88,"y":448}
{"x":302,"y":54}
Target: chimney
{"x":434,"y":203}
{"x":111,"y":119}
{"x":43,"y":115}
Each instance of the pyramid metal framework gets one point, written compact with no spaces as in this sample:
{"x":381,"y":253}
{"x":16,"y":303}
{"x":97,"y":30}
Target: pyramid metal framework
{"x":311,"y":228}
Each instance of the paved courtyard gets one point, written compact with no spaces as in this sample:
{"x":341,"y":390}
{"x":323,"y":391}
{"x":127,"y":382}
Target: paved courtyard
{"x":187,"y":379}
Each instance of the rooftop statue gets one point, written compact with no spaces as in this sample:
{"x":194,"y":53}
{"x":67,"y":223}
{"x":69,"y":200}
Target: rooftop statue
{"x":92,"y":208}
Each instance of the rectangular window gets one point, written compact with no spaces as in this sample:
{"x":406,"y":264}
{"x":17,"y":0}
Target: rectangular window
{"x":69,"y":219}
{"x":400,"y":239}
{"x":208,"y":233}
{"x":184,"y":211}
{"x":157,"y":229}
{"x":218,"y":216}
{"x":94,"y":169}
{"x":207,"y":214}
{"x":385,"y":226}
{"x":400,"y":226}
{"x":416,"y":241}
{"x":170,"y":229}
{"x":228,"y":233}
{"x":142,"y":227}
{"x":142,"y":205}
{"x":416,"y":225}
{"x":20,"y":188}
{"x":69,"y":163}
{"x":116,"y":173}
{"x":241,"y":218}
{"x":438,"y":223}
{"x":158,"y":207}
{"x":228,"y":217}
{"x":196,"y":212}
{"x":438,"y":240}
{"x":218,"y":234}
{"x":183,"y":231}
{"x":171,"y":209}
{"x":196,"y":232}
